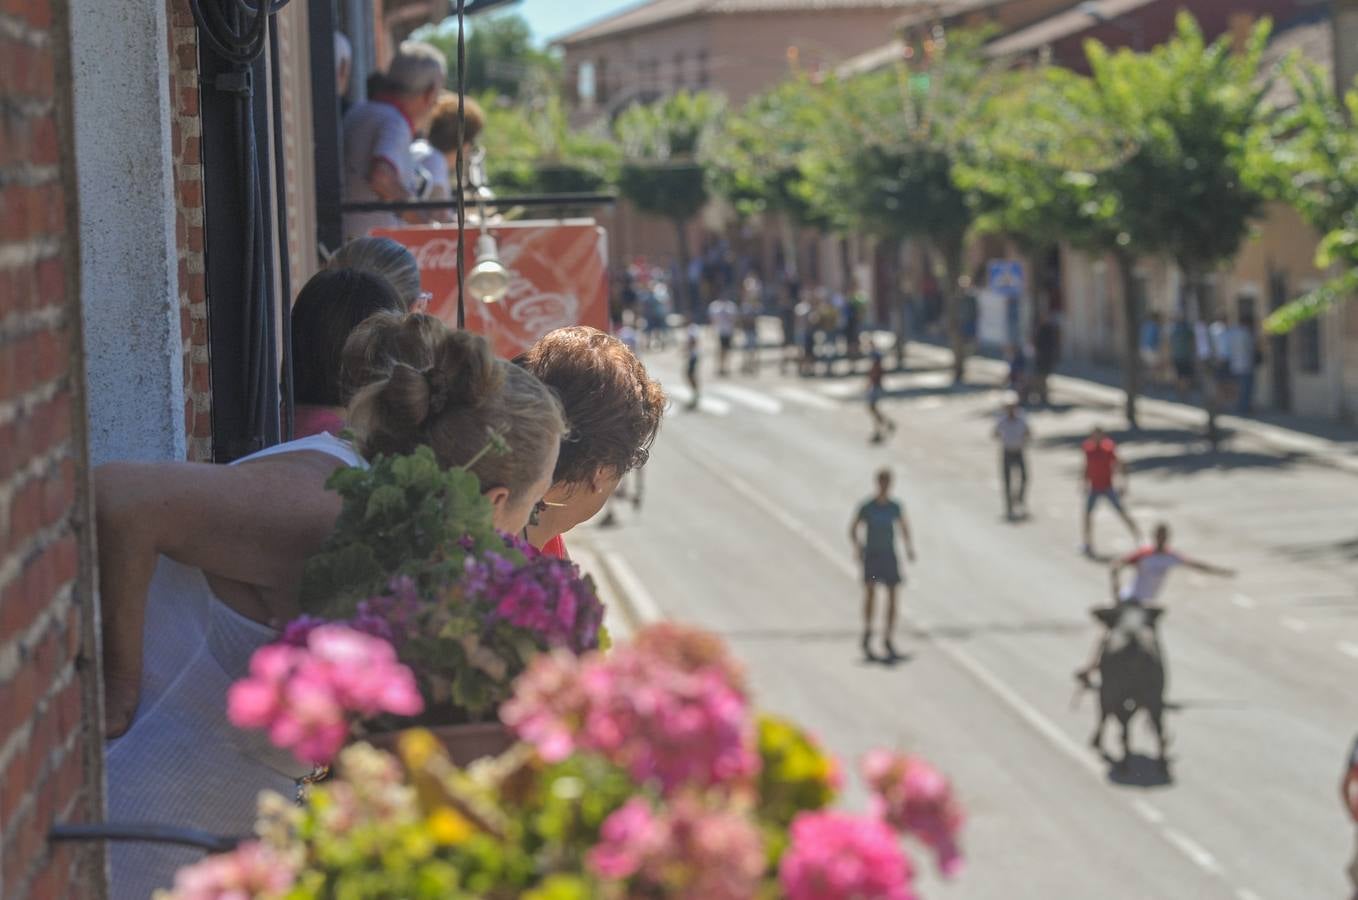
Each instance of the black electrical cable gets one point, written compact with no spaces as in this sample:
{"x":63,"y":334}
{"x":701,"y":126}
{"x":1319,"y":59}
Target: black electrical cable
{"x":461,"y":178}
{"x":238,"y":32}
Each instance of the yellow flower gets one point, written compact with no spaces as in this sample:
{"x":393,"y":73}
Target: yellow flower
{"x":448,"y":827}
{"x":417,"y":747}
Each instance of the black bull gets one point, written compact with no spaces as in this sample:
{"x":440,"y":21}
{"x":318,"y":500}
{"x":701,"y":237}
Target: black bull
{"x":1131,"y":672}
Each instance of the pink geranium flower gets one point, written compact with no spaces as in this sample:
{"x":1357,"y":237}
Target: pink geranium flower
{"x":306,"y":696}
{"x":835,"y":855}
{"x":685,"y":850}
{"x":667,"y":717}
{"x":916,"y":799}
{"x":251,"y":870}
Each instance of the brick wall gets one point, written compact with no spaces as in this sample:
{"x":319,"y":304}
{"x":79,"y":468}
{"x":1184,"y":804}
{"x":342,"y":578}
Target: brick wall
{"x":50,"y":754}
{"x":186,"y":137}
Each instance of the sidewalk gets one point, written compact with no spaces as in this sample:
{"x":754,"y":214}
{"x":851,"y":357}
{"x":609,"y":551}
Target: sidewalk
{"x":1321,"y":441}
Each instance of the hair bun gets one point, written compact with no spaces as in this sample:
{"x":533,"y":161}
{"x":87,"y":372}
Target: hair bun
{"x":440,"y":389}
{"x":464,"y":371}
{"x":405,"y":398}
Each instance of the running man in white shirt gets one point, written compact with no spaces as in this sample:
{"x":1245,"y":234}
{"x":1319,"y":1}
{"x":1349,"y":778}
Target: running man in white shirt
{"x":1150,"y":566}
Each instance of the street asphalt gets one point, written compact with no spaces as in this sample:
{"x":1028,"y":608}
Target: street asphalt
{"x":743,"y":530}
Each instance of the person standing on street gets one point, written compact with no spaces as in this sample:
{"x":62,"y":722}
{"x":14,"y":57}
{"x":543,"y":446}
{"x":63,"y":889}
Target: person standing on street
{"x":1099,"y":478}
{"x":876,"y":522}
{"x":1348,"y":792}
{"x":881,"y":424}
{"x":1012,"y":431}
{"x":722,"y":313}
{"x":1242,"y":350}
{"x":1046,"y":350}
{"x":1182,"y":347}
{"x":691,"y":347}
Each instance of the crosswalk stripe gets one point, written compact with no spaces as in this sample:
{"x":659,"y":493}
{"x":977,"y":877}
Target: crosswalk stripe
{"x":681,"y":396}
{"x":755,"y":400}
{"x":805,"y":398}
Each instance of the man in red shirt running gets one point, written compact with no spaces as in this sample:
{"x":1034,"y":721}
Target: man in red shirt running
{"x":1102,"y":466}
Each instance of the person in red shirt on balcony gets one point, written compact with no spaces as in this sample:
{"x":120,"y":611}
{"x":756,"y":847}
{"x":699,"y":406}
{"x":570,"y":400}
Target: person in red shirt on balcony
{"x":613,"y":410}
{"x":1102,"y":471}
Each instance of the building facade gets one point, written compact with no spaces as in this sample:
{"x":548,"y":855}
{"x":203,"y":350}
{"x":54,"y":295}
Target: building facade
{"x":121,"y":328}
{"x":734,"y":48}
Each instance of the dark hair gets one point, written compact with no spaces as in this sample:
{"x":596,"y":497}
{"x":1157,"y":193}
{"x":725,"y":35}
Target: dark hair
{"x":430,"y":385}
{"x":328,"y":308}
{"x":443,"y":124}
{"x":385,"y":257}
{"x":612,"y":405}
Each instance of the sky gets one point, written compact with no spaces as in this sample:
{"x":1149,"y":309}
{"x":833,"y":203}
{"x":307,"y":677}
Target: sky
{"x":552,"y":18}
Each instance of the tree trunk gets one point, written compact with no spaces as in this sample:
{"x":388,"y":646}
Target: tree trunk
{"x":1131,"y":336}
{"x":1207,"y":374}
{"x":952,"y":308}
{"x":791,"y":264}
{"x":897,"y":300}
{"x":685,"y":292}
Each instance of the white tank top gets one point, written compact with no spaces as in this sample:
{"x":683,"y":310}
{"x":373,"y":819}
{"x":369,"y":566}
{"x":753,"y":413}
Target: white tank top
{"x":182,"y":763}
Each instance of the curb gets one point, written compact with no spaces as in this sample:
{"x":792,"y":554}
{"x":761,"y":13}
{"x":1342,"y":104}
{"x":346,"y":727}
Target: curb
{"x":1318,"y":450}
{"x":594,"y":561}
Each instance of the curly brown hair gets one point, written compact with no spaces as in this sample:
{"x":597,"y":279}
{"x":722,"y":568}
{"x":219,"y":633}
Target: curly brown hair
{"x":612,"y":405}
{"x":443,"y":123}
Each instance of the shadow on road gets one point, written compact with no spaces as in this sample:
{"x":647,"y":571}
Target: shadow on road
{"x":1138,"y":770}
{"x":965,"y":632}
{"x":1223,"y":460}
{"x":1182,"y":436}
{"x":1322,"y":551}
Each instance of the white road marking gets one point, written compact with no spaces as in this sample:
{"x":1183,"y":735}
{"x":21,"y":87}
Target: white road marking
{"x":843,"y":389}
{"x":1193,"y":850}
{"x":643,"y":605}
{"x":928,"y":403}
{"x":1244,"y":601}
{"x":1292,"y":624}
{"x":755,"y":400}
{"x":1246,"y":894}
{"x":681,"y":396}
{"x":1348,"y":648}
{"x":840,"y":559}
{"x":1148,"y":812}
{"x":805,"y":397}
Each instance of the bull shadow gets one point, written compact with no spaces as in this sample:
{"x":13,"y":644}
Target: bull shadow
{"x":1138,"y":770}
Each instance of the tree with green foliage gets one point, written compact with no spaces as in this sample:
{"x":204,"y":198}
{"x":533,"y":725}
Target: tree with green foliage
{"x":501,"y":57}
{"x":1187,"y":186}
{"x":665,"y":146}
{"x":756,"y":161}
{"x":1312,"y":155}
{"x":532,"y":149}
{"x":881,"y":161}
{"x":1151,"y":155}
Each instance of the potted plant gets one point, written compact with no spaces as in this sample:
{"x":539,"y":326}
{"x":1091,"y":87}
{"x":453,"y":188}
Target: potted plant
{"x":641,"y":773}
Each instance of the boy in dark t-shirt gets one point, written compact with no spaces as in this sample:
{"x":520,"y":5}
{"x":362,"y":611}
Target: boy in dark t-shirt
{"x":877,"y":520}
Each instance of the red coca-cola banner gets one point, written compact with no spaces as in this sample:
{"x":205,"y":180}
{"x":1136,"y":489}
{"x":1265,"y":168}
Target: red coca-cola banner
{"x":558,"y":275}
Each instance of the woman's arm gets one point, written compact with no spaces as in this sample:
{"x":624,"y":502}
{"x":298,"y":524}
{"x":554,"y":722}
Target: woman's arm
{"x":254,"y":524}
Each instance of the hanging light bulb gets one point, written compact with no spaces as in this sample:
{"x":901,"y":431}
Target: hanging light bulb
{"x":488,"y":280}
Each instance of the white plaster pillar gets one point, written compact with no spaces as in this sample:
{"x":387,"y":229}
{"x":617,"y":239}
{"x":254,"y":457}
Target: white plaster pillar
{"x":129,"y":266}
